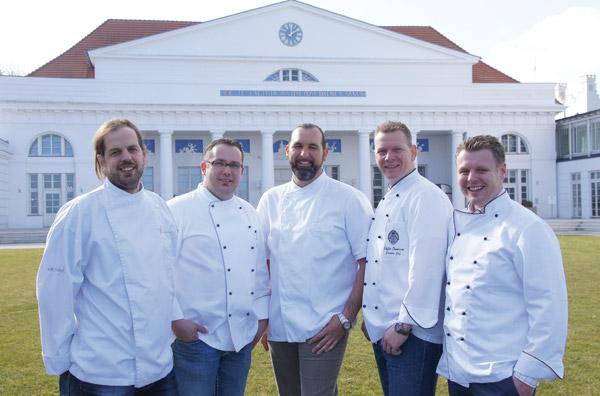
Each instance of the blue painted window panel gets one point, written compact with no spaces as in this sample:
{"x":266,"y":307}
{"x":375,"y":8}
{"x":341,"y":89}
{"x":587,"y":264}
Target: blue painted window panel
{"x":189,"y":146}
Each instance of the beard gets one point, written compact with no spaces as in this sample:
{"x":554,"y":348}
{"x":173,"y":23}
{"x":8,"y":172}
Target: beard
{"x":305,"y":172}
{"x":129,"y":183}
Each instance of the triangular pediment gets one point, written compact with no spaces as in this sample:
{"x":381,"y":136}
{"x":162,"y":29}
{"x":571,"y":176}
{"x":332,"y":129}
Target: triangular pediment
{"x":256,"y":35}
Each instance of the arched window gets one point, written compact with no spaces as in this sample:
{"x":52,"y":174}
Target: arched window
{"x":514,"y":144}
{"x":50,"y":145}
{"x":293,"y":75}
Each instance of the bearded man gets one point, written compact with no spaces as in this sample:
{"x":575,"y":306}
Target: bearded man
{"x":316,"y":231}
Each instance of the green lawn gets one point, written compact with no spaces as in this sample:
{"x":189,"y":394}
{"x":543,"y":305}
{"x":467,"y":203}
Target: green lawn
{"x":21,"y":370}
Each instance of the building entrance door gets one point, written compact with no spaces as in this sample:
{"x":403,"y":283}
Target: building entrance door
{"x":51,"y":194}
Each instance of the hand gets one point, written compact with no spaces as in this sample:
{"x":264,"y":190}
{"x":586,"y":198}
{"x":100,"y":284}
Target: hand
{"x":187,"y":330}
{"x":261,"y":332}
{"x":392,"y":341}
{"x":363,"y":328}
{"x":522,"y":387}
{"x":328,"y":337}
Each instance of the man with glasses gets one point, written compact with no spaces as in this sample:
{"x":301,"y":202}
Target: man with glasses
{"x":221,"y":278}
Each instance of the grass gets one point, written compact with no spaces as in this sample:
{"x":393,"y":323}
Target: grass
{"x":22,"y":372}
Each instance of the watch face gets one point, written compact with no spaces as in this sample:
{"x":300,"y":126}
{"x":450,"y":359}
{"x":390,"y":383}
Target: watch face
{"x":290,"y":34}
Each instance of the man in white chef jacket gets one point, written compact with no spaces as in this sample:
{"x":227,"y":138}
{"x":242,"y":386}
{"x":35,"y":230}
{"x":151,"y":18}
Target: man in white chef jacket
{"x":221,"y":278}
{"x":316,"y":230}
{"x":506,"y":300}
{"x":405,"y":271}
{"x":105,"y":286}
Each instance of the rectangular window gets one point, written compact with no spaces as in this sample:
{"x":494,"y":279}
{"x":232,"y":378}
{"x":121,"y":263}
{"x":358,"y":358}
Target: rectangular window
{"x":243,"y":190}
{"x":70,"y":185}
{"x":563,"y":142}
{"x":580,"y":140}
{"x":188,"y":178}
{"x":378,"y":185}
{"x":285,"y":75}
{"x":332,"y":171}
{"x":34,"y":200}
{"x":51,"y":180}
{"x":576,"y":194}
{"x":595,"y":179}
{"x":595,"y":136}
{"x":148,"y":178}
{"x":295,"y":75}
{"x":516,"y":184}
{"x":51,"y":145}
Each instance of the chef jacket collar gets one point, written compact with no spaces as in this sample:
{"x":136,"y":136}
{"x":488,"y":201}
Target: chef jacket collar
{"x":211,"y":197}
{"x":311,"y":187}
{"x":492,"y":206}
{"x":404,"y":181}
{"x":119,"y":193}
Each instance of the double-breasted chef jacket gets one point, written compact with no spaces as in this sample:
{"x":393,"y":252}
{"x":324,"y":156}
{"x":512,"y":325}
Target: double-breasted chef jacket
{"x":105,"y":288}
{"x":406,"y":259}
{"x":221,"y":274}
{"x":315,"y":235}
{"x":506,"y":297}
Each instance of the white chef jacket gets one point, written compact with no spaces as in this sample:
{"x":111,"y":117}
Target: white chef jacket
{"x":221,"y":275}
{"x":315,"y":235}
{"x":406,"y":259}
{"x":506,"y":297}
{"x":105,"y":288}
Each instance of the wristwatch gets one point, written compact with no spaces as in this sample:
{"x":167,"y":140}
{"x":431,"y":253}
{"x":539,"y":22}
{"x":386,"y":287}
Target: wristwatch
{"x":346,"y":324}
{"x":399,"y":328}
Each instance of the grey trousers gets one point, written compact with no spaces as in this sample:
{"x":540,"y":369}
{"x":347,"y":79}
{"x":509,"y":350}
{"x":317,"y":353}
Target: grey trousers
{"x":299,"y":372}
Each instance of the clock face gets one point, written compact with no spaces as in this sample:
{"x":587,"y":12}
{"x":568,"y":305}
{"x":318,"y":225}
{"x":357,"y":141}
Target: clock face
{"x":290,"y":34}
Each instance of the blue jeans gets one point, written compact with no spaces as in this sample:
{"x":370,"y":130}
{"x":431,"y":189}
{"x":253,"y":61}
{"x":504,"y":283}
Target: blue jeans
{"x":505,"y":387}
{"x":70,"y":385}
{"x":410,"y":373}
{"x":203,"y":370}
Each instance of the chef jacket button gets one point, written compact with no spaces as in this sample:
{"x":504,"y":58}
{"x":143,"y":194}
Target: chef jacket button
{"x":367,"y":239}
{"x":373,"y":283}
{"x":485,"y":238}
{"x":218,"y":225}
{"x":474,"y":261}
{"x":365,"y":284}
{"x":448,"y":283}
{"x":387,"y":215}
{"x":448,"y":334}
{"x":212,"y":206}
{"x":224,"y":247}
{"x":372,"y":218}
{"x":255,"y":231}
{"x":229,"y":315}
{"x":252,"y":270}
{"x":251,"y":247}
{"x":458,"y":234}
{"x":249,"y":226}
{"x":364,"y":306}
{"x":468,"y":287}
{"x":366,"y":261}
{"x":376,"y":261}
{"x":447,"y":308}
{"x":376,"y":307}
{"x":240,"y":207}
{"x":462,"y":338}
{"x":464,"y":313}
{"x":228,"y":269}
{"x":496,"y":215}
{"x":383,"y":199}
{"x":230,"y":293}
{"x":247,"y":313}
{"x":451,"y":257}
{"x":397,"y":195}
{"x":379,"y":236}
{"x":252,"y":293}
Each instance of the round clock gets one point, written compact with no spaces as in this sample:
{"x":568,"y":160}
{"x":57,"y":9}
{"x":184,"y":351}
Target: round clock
{"x":290,"y":34}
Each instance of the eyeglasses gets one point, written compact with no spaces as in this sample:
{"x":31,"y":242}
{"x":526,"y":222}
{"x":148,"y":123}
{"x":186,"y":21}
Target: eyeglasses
{"x":220,"y":164}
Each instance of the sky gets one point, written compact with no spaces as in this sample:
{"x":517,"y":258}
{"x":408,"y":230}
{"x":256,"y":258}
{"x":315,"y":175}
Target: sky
{"x":530,"y":40}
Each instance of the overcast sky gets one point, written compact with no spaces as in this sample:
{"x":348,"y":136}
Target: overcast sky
{"x":530,"y":40}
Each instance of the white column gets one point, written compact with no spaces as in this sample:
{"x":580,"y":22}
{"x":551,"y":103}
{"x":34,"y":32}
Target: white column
{"x":458,"y":199}
{"x":364,"y":164}
{"x":216,"y":134}
{"x":166,"y":164}
{"x":268,"y":172}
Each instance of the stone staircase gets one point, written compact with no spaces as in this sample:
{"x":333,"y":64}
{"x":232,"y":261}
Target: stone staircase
{"x":23,"y":236}
{"x":575,"y":226}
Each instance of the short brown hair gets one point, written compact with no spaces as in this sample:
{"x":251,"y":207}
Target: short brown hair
{"x":483,"y":142}
{"x":393,"y":126}
{"x":308,"y":125}
{"x":225,"y":141}
{"x":106,"y":128}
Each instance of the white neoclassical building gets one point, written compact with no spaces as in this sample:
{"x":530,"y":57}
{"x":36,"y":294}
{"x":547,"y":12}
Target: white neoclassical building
{"x":253,"y":76}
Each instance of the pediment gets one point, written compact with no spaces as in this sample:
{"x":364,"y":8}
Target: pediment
{"x":255,"y":35}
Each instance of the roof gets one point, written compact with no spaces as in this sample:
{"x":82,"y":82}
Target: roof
{"x":75,"y":63}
